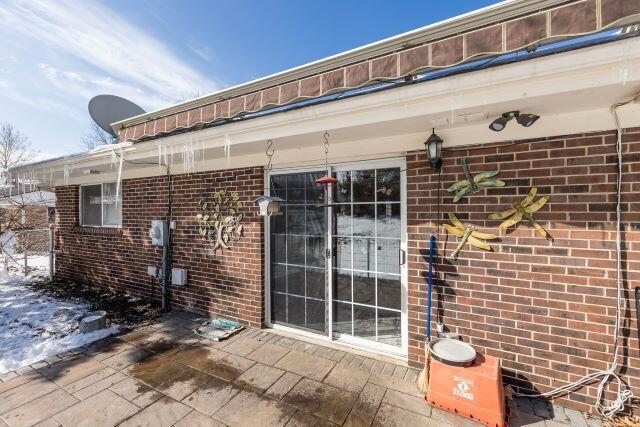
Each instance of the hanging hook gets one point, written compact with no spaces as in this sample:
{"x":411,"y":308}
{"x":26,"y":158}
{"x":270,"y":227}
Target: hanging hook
{"x":269,"y":151}
{"x":326,"y":148}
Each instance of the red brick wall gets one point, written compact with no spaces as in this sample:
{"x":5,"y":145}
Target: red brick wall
{"x":225,"y":283}
{"x":545,"y":309}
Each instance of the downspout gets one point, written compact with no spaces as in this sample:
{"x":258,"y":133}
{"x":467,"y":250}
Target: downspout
{"x":166,"y":247}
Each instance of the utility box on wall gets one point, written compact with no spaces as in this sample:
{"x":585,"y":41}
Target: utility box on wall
{"x":159,"y":232}
{"x":178,"y":276}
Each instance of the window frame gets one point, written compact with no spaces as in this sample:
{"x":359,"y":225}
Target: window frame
{"x":102,"y":225}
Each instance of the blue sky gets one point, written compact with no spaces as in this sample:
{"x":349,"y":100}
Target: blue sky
{"x":56,"y":55}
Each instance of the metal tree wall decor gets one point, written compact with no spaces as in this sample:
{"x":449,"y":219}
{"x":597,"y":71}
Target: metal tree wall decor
{"x":473,"y":183}
{"x":467,"y":233}
{"x":220,"y":219}
{"x":524,"y":210}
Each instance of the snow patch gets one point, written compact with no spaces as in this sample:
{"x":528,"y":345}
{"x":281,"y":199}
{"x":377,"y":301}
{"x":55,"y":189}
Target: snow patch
{"x":34,"y":326}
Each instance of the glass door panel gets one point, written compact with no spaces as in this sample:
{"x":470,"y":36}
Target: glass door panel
{"x":357,"y":293}
{"x":366,"y":255}
{"x":298,"y":246}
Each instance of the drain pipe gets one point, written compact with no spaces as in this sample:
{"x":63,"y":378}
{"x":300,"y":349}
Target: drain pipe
{"x":166,"y":246}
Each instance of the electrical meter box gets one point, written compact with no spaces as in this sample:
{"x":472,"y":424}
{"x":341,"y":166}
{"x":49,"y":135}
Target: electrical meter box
{"x":178,"y":276}
{"x":159,"y":232}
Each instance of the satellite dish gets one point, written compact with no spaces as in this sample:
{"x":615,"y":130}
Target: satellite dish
{"x":107,"y":109}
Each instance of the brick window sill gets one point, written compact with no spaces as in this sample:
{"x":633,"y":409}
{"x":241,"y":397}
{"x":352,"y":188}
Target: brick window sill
{"x":102,"y":231}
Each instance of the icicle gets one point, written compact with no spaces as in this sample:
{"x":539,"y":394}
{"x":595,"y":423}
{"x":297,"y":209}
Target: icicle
{"x":114,"y":159}
{"x":227,"y":148}
{"x":188,"y":156}
{"x":626,"y":72}
{"x":164,"y":154}
{"x":66,"y":175}
{"x":119,"y":178}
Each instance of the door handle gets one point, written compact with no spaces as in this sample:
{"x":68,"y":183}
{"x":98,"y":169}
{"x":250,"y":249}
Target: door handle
{"x":403,"y":257}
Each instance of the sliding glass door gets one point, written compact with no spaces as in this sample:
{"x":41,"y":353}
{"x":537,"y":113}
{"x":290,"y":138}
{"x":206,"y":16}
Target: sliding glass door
{"x":298,"y":248}
{"x":336,"y":269}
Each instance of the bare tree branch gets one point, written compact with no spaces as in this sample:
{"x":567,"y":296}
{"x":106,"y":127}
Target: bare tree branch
{"x":96,"y":136}
{"x":15,"y":147}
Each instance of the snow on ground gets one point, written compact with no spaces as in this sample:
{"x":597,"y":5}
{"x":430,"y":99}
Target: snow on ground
{"x":34,"y":326}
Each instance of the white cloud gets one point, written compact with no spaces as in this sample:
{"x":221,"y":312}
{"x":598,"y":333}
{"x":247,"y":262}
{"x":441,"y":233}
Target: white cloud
{"x":111,"y":55}
{"x":204,"y":52}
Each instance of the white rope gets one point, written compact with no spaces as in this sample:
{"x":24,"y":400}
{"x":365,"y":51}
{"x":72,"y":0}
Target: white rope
{"x":607,"y":410}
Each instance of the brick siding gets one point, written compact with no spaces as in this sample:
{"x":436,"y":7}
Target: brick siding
{"x":227,"y":283}
{"x":545,"y":309}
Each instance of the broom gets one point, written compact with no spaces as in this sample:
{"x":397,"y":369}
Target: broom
{"x":423,"y":379}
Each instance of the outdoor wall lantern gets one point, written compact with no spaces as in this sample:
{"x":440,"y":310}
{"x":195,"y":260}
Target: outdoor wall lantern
{"x":525,"y":120}
{"x":433,"y":146}
{"x":269,"y":205}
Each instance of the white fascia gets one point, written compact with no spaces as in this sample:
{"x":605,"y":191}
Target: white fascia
{"x":572,"y":91}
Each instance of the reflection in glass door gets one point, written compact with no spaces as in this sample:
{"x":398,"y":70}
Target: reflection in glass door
{"x":355,"y":294}
{"x":367,"y":256}
{"x":298,"y":245}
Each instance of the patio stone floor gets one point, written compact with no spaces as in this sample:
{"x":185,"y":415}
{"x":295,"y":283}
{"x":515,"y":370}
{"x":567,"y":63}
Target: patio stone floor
{"x":165,"y":375}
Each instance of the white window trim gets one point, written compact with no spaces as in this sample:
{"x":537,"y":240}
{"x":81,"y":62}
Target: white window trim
{"x":101,"y":184}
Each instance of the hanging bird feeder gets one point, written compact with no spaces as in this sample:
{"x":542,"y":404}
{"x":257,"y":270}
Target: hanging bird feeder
{"x":269,"y":205}
{"x":326,"y":181}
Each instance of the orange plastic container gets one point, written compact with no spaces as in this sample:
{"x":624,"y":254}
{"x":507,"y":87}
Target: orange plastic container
{"x":475,"y":392}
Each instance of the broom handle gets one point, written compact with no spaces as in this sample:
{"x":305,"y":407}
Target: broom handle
{"x":432,"y":245}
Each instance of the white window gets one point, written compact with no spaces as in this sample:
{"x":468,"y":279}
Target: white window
{"x":99,"y":207}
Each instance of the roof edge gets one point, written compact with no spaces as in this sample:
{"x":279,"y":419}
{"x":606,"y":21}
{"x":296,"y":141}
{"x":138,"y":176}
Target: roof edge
{"x":476,"y":19}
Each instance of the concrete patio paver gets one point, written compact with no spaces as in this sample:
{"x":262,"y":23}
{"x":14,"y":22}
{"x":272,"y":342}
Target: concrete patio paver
{"x":99,"y":386}
{"x":230,"y":367}
{"x":127,"y":358}
{"x":347,"y":377}
{"x":267,"y":354}
{"x":184,"y":383}
{"x":163,"y":413}
{"x":39,"y":409}
{"x":242,"y":346}
{"x":365,"y":408}
{"x":18,"y":381}
{"x":132,"y":389}
{"x":304,"y":419}
{"x":49,"y":422}
{"x":320,"y":399}
{"x":212,"y":396}
{"x":405,"y":401}
{"x":105,"y":409}
{"x":305,"y":365}
{"x":199,"y":357}
{"x":283,"y":385}
{"x":270,"y":380}
{"x":89,"y":380}
{"x":258,"y":377}
{"x":104,"y":349}
{"x":25,"y":393}
{"x":71,"y":370}
{"x":197,"y":419}
{"x":249,"y":409}
{"x":392,"y":416}
{"x":155,"y":370}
